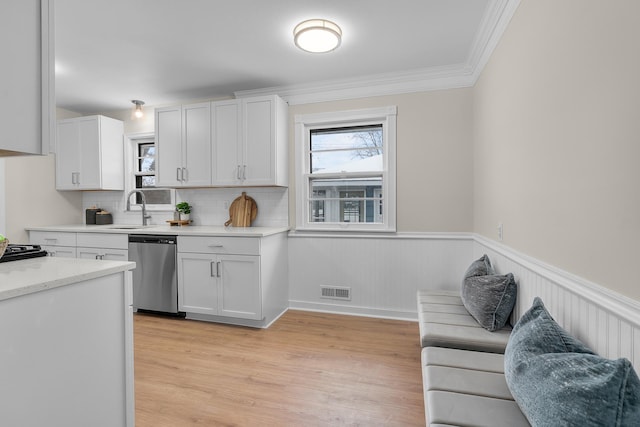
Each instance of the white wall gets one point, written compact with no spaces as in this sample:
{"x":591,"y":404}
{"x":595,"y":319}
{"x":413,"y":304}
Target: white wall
{"x":556,"y":139}
{"x":383,"y":272}
{"x":434,"y":157}
{"x":31,"y":198}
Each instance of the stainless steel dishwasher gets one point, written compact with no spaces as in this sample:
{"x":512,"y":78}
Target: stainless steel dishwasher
{"x":155,"y":282}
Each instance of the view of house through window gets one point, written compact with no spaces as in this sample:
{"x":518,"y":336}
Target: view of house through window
{"x":145,"y":176}
{"x":346,"y":166}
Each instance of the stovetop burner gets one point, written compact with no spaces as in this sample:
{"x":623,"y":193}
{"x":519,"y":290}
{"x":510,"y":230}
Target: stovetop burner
{"x":17,"y":252}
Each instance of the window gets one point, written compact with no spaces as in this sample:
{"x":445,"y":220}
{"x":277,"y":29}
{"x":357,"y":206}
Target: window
{"x":345,"y":170}
{"x":143,"y":167}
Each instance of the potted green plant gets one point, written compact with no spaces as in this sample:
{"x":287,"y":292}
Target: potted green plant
{"x":184,"y":208}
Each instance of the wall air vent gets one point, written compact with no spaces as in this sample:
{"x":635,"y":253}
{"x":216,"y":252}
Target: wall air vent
{"x":335,"y":292}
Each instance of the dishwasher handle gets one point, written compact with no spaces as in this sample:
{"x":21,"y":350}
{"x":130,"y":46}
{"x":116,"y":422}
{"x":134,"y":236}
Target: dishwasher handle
{"x":147,"y":238}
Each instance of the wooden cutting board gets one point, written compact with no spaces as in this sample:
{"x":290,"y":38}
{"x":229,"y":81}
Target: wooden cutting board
{"x":242,"y":212}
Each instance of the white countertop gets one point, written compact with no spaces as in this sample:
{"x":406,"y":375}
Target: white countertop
{"x":192,"y":230}
{"x":39,"y":274}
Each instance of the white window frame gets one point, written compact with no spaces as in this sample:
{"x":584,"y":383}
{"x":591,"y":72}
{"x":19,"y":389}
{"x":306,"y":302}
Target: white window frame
{"x":305,"y":123}
{"x":131,"y":144}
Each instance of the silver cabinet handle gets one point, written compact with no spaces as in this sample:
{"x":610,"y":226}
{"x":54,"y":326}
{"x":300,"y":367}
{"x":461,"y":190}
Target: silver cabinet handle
{"x":218,"y":268}
{"x":52,"y":241}
{"x":244,"y":172}
{"x":78,"y":178}
{"x":216,"y":246}
{"x":211,"y":266}
{"x":185,"y":174}
{"x":178,"y":178}
{"x":238,"y":172}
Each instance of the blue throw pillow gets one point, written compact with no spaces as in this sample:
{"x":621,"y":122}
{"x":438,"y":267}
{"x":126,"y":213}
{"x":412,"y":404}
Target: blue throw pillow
{"x":479,"y":267}
{"x":490,"y":299}
{"x":557,"y":380}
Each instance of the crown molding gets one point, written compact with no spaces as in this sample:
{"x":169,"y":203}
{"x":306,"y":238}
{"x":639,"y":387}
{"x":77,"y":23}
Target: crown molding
{"x":496,"y":18}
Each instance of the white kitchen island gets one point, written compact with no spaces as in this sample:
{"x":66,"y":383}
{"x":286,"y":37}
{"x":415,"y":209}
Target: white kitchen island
{"x":66,"y":349}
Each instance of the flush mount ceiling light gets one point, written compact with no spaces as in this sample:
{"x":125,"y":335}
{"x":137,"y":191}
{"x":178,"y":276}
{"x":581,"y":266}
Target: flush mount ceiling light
{"x":137,"y":112}
{"x":317,"y":35}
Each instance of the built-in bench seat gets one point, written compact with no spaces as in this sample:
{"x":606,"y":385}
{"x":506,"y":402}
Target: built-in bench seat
{"x":467,"y":388}
{"x":445,"y":322}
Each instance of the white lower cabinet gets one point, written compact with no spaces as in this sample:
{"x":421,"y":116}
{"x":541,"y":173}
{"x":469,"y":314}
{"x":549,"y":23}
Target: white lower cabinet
{"x":103,"y":253}
{"x":107,"y":246}
{"x":241,"y":280}
{"x":83,"y":245}
{"x":223,"y":285}
{"x":57,"y":244}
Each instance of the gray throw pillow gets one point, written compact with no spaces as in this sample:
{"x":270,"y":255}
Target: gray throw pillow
{"x":490,"y":299}
{"x":557,"y":380}
{"x":480,"y":267}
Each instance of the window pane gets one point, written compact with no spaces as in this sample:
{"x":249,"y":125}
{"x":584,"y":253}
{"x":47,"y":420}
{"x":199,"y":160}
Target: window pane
{"x":158,"y":197}
{"x":155,"y":197}
{"x":147,"y":150}
{"x":345,"y":161}
{"x":147,"y":164}
{"x":346,"y":200}
{"x":352,"y":149}
{"x":349,"y":138}
{"x":146,"y":157}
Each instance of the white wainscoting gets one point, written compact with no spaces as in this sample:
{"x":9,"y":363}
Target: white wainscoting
{"x":606,"y":321}
{"x":384,"y":272}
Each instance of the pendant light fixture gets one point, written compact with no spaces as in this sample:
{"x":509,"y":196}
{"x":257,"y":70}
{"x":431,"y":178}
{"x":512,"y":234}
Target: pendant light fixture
{"x":137,"y":112}
{"x":317,"y":35}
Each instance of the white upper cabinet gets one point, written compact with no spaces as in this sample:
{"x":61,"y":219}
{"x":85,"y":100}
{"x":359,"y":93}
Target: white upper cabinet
{"x":27,"y":95}
{"x":89,"y":154}
{"x":239,"y":142}
{"x":264,"y":145}
{"x":183,"y":138}
{"x":250,"y":142}
{"x":226,"y":143}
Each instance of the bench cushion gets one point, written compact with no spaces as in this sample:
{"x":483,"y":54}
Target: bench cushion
{"x":444,"y":322}
{"x":469,"y":410}
{"x":464,"y":387}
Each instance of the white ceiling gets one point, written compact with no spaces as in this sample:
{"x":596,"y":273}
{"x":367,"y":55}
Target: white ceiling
{"x":167,"y":51}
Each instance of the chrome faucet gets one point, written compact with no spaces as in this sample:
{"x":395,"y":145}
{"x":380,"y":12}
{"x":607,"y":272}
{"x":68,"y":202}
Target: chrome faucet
{"x":145,"y":217}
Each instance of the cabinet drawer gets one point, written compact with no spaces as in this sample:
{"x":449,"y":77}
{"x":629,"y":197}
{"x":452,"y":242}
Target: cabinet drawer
{"x":103,"y":240}
{"x":60,"y":251}
{"x":52,"y":238}
{"x":219,"y":245}
{"x":103,"y":253}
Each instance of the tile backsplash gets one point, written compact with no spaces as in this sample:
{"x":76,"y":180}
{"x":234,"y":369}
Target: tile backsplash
{"x":210,"y":205}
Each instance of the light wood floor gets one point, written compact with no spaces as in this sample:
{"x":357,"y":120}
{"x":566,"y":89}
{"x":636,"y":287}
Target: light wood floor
{"x":307,"y":369}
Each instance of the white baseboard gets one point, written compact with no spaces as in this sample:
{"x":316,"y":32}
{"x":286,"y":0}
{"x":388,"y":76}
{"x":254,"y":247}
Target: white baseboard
{"x":353,"y":311}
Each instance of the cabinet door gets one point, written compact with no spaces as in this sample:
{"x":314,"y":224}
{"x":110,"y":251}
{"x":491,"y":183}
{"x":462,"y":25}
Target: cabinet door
{"x":226,"y":143}
{"x":197,"y":284}
{"x":89,"y":149}
{"x":239,"y":285}
{"x":259,"y":141}
{"x":169,"y":146}
{"x":26,"y":76}
{"x":67,"y":155}
{"x":196,"y":150}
